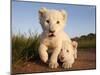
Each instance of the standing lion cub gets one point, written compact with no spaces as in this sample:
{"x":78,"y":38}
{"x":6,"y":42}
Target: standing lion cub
{"x":52,"y":23}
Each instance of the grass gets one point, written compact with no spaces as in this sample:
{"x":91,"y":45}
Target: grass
{"x":26,"y":48}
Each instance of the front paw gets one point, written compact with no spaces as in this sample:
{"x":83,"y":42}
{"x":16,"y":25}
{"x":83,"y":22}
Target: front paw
{"x":53,"y":64}
{"x":44,"y":58}
{"x":67,"y":65}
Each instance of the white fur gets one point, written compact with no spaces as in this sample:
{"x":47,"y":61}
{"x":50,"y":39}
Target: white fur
{"x":55,"y":43}
{"x":68,"y":53}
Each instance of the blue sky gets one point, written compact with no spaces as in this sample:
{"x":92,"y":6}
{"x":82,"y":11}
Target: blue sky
{"x":81,"y":19}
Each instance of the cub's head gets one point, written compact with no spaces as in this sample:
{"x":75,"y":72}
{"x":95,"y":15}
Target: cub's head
{"x":68,"y":51}
{"x":52,"y":21}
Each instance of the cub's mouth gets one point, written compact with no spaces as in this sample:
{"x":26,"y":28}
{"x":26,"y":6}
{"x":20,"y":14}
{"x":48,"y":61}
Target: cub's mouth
{"x":51,"y":35}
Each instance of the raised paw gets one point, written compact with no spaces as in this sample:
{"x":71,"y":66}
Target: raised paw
{"x":53,"y":65}
{"x":67,"y":65}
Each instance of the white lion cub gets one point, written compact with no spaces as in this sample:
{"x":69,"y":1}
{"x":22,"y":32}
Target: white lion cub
{"x":68,"y":53}
{"x":52,"y":23}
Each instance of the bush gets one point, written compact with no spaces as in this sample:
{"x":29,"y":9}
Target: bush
{"x":86,"y":41}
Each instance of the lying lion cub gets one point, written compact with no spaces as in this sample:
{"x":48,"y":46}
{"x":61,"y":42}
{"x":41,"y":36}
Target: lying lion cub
{"x":68,"y":54}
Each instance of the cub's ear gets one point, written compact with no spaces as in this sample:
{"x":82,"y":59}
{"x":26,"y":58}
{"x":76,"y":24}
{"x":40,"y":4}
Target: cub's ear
{"x":42,"y":11}
{"x":75,"y":44}
{"x":64,"y":14}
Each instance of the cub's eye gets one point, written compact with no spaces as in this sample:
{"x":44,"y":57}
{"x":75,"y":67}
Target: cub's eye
{"x":58,"y":22}
{"x":67,"y":50}
{"x":47,"y":21}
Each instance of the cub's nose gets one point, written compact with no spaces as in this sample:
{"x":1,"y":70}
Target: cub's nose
{"x":51,"y":31}
{"x":62,"y":58}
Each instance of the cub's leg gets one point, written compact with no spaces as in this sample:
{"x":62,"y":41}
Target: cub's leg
{"x":75,"y":55}
{"x":54,"y":57}
{"x":43,"y":53}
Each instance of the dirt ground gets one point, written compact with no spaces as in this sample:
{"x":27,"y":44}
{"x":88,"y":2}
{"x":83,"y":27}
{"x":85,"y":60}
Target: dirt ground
{"x":86,"y":60}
